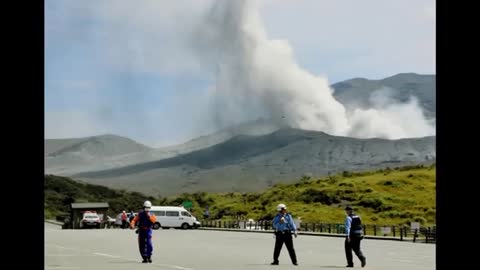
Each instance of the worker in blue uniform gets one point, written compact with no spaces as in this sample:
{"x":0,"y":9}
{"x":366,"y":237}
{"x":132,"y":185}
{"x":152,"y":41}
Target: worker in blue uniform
{"x":354,"y":235}
{"x":284,"y":228}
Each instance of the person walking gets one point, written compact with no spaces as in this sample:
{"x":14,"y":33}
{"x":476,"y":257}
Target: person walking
{"x":284,"y":228}
{"x":124,"y":220}
{"x":354,"y":235}
{"x":145,"y":221}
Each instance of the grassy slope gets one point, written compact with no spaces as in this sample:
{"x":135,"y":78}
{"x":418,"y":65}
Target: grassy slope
{"x":388,"y":197}
{"x":385,"y":197}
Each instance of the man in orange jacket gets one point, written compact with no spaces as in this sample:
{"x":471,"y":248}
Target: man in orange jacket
{"x":145,"y":222}
{"x":124,"y":220}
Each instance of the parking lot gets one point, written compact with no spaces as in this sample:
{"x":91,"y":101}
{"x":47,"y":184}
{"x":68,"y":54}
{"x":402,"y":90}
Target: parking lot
{"x":212,"y":250}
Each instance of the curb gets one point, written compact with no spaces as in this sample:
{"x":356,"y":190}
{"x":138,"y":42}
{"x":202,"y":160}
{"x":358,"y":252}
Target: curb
{"x":54,"y":222}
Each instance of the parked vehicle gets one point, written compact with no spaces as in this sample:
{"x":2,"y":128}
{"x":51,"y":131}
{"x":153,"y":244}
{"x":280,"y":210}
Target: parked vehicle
{"x":173,"y":217}
{"x":90,"y":219}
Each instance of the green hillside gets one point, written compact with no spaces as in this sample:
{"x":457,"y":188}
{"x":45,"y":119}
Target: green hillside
{"x":61,"y":191}
{"x":385,"y":197}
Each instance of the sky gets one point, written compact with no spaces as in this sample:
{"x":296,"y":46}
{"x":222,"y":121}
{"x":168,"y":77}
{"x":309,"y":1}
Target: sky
{"x":133,"y":68}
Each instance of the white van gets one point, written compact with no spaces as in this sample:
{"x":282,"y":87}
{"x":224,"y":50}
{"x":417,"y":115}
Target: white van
{"x":173,"y":217}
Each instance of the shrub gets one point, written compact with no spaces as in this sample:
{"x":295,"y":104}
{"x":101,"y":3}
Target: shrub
{"x":374,"y":203}
{"x":345,"y":184}
{"x":420,"y":220}
{"x":314,"y":195}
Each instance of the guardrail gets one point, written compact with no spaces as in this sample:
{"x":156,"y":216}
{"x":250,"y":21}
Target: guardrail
{"x":402,"y":233}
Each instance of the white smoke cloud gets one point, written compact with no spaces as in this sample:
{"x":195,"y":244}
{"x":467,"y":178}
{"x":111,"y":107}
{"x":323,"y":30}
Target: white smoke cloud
{"x":389,"y":119}
{"x":257,"y":76}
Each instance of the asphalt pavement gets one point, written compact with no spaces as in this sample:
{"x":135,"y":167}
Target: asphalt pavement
{"x":109,"y":249}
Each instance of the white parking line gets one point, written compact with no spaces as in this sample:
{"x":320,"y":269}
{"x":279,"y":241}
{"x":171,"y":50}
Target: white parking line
{"x":57,"y":246}
{"x":133,"y":260}
{"x":68,"y":255}
{"x":171,"y":266}
{"x":62,"y":267}
{"x":106,"y":255}
{"x":161,"y":264}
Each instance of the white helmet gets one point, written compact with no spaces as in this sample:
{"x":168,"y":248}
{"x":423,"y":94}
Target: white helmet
{"x":280,"y":206}
{"x":147,"y":204}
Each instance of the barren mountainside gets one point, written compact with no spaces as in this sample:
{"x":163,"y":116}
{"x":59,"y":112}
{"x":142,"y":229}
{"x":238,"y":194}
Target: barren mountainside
{"x":247,"y":163}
